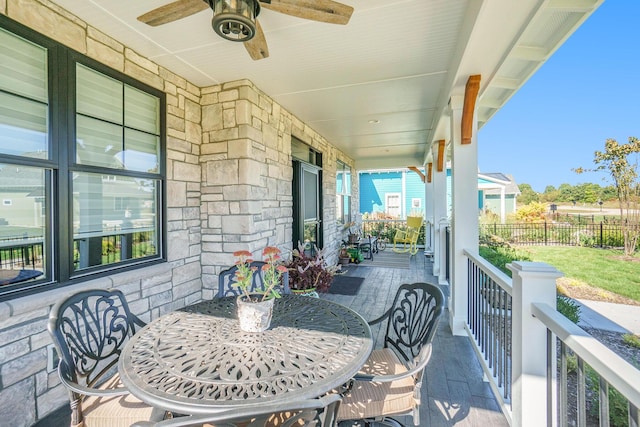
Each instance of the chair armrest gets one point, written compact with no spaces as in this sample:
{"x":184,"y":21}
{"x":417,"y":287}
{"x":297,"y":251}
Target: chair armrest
{"x":400,"y":235}
{"x":88,"y":391}
{"x":384,"y":316}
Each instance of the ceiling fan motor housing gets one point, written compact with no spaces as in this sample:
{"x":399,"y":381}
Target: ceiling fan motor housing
{"x":235,"y":20}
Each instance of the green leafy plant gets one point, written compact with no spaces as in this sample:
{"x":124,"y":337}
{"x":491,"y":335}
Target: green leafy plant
{"x":631,"y":340}
{"x":568,"y":307}
{"x":310,"y":270}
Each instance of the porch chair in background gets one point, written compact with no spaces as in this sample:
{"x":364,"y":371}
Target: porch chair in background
{"x":226,"y":279}
{"x":407,"y":241}
{"x":389,"y":383}
{"x":319,"y":412}
{"x":89,"y":330}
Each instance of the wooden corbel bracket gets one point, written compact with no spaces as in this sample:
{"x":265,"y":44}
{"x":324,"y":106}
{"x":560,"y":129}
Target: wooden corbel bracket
{"x":416,"y":170}
{"x":469,"y":106}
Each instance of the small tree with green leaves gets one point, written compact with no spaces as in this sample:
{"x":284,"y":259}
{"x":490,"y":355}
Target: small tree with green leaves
{"x":620,"y":160}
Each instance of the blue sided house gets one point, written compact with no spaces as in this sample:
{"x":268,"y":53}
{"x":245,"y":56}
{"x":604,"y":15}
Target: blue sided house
{"x":395,"y":193}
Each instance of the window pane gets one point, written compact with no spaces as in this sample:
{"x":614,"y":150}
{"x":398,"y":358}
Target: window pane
{"x":23,"y":218}
{"x":141,"y":152}
{"x":346,"y":209}
{"x":98,"y":95}
{"x":23,"y":127}
{"x":114,"y":219}
{"x":98,"y":143}
{"x":347,"y":181}
{"x":23,"y":67}
{"x":142,"y":111}
{"x":310,"y":195}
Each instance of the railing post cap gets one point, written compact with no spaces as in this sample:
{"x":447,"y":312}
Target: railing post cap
{"x":537,"y":268}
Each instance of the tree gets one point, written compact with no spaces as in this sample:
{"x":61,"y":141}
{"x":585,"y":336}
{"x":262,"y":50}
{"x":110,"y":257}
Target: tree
{"x":567,"y":193}
{"x":621,"y":161}
{"x":550,"y":194}
{"x":527,"y":194}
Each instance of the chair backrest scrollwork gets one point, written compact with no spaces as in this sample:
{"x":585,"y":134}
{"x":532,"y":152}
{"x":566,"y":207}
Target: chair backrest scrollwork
{"x":89,"y":330}
{"x":226,"y":279}
{"x":413,"y":319}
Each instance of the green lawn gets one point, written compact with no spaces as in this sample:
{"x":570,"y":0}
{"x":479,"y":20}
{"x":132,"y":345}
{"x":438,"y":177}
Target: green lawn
{"x":601,"y":268}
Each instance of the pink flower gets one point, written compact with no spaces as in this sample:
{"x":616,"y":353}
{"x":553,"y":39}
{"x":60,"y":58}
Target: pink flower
{"x":272,"y":271}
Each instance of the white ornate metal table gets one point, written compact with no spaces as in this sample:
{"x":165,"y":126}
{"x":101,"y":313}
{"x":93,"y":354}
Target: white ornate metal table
{"x":198,"y":361}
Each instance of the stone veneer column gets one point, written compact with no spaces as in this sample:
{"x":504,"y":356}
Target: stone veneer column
{"x":246,"y":176}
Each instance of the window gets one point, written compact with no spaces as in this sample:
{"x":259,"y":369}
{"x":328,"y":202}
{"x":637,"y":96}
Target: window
{"x":392,"y":205}
{"x":343,"y":193}
{"x":81,"y":155}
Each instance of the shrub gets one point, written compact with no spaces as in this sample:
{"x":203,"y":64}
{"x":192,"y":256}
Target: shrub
{"x":618,"y":404}
{"x":533,"y":212}
{"x":310,"y":270}
{"x":631,"y":340}
{"x":568,"y":307}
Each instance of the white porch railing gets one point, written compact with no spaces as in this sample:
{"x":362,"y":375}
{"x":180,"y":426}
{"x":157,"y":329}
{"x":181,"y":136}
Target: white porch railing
{"x":514,"y":327}
{"x":489,"y":324}
{"x":611,"y":369}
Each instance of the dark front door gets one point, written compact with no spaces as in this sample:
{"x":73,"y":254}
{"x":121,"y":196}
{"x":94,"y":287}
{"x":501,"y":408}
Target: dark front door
{"x":307,"y":201}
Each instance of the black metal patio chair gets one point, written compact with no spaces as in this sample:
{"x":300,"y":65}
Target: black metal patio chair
{"x":390,"y":381}
{"x":89,"y":330}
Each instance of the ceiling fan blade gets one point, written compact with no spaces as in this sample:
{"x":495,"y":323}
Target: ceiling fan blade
{"x":172,"y":12}
{"x":316,"y":10}
{"x":257,"y":46}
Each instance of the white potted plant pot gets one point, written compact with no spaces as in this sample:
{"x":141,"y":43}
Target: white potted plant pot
{"x":254,"y":315}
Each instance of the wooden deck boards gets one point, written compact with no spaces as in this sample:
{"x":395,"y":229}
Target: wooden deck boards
{"x":453,"y":393}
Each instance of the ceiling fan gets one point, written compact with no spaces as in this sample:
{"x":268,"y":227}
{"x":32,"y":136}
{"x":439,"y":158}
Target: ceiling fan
{"x":236,"y":19}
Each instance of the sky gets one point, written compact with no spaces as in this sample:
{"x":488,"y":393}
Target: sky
{"x":588,"y":91}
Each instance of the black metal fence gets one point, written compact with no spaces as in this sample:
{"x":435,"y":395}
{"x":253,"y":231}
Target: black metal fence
{"x":21,"y":253}
{"x":600,"y":234}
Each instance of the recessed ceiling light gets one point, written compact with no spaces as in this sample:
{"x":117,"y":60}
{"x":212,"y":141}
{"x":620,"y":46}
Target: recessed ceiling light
{"x":374,"y":122}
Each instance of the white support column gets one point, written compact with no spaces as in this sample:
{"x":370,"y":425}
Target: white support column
{"x":532,"y":282}
{"x":464,"y":215}
{"x":439,"y":180}
{"x":442,"y":261}
{"x":503,"y":213}
{"x":429,"y":229}
{"x":403,"y":195}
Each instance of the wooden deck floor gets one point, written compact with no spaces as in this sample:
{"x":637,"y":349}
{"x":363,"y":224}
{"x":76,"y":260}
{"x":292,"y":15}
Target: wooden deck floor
{"x":453,"y":391}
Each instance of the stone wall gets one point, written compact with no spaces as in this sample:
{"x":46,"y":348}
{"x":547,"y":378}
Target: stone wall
{"x":229,"y":175}
{"x":247,"y":200}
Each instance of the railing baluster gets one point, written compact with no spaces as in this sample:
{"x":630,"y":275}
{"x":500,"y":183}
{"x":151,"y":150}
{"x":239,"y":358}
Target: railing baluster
{"x":563,"y":402}
{"x":582,"y":399}
{"x":550,"y":382}
{"x":634,"y":421}
{"x":494,"y":327}
{"x":604,"y":403}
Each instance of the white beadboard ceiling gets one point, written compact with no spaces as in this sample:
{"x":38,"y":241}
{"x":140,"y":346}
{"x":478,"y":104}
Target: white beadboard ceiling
{"x":377,"y":88}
